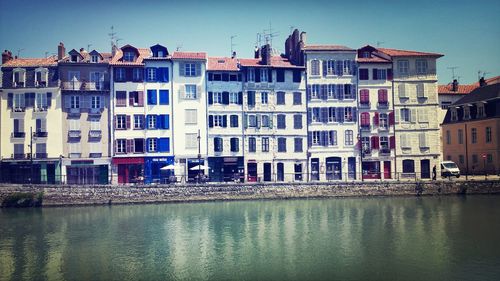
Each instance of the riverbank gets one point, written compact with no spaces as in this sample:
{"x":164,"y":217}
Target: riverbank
{"x":54,"y":195}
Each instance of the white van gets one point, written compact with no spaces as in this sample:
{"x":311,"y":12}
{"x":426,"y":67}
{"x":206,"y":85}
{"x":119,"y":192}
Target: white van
{"x":449,"y":168}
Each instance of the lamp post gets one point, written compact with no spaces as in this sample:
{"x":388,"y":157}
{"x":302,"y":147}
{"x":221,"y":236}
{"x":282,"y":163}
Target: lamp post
{"x":199,"y":156}
{"x":31,"y":155}
{"x":360,"y":146}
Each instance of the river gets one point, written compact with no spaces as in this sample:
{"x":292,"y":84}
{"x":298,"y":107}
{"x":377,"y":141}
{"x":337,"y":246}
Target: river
{"x":392,"y":238}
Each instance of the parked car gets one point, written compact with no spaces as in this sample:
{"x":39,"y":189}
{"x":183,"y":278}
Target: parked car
{"x":449,"y":169}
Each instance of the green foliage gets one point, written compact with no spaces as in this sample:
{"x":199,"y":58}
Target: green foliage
{"x":23,"y":200}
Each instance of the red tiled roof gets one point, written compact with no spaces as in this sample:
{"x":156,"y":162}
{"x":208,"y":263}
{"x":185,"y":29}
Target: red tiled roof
{"x":373,"y":59}
{"x":489,"y":81}
{"x":116,"y":60}
{"x":276,"y":61}
{"x":461,"y":89}
{"x":222,"y":64}
{"x":31,"y":62}
{"x":189,"y":55}
{"x":405,"y":53}
{"x":106,"y":57}
{"x":327,"y":48}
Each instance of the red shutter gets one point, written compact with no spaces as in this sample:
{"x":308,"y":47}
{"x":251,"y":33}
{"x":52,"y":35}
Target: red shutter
{"x":389,"y":74}
{"x":375,"y":142}
{"x":130,"y":99}
{"x":130,"y":146}
{"x":140,"y":98}
{"x":128,"y":121}
{"x":392,"y":142}
{"x":391,"y":118}
{"x":375,"y":119}
{"x":365,"y":119}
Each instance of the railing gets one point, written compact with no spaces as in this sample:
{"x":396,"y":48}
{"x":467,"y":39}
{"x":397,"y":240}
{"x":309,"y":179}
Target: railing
{"x":18,"y":156}
{"x":74,"y":111}
{"x":19,"y":109}
{"x":18,"y":84}
{"x":74,"y":133}
{"x":40,"y":109}
{"x":40,"y":155}
{"x":40,"y":134}
{"x":364,"y":104}
{"x":84,"y":86}
{"x":384,"y":151}
{"x":365,"y":127}
{"x":95,"y":111}
{"x":41,"y":84}
{"x":18,"y":135}
{"x":382,"y":104}
{"x":429,"y":72}
{"x":95,"y":133}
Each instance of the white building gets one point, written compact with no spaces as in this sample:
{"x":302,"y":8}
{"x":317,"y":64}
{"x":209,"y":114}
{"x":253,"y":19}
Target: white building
{"x":190,"y":113}
{"x":376,"y":114}
{"x":274,"y":118}
{"x":415,"y":98}
{"x":225,"y":116}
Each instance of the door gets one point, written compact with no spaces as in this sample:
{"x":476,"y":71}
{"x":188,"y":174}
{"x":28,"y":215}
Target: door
{"x":267,"y":172}
{"x":252,"y":172}
{"x":280,"y":172}
{"x":314,"y":169}
{"x":351,"y":167}
{"x":425,"y":169}
{"x":387,"y":169}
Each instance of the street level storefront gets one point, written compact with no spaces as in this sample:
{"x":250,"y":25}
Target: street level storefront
{"x":334,"y":168}
{"x":195,"y":167}
{"x":153,"y":172}
{"x":87,"y":171}
{"x":225,"y":169}
{"x":42,"y":171}
{"x":130,"y":169}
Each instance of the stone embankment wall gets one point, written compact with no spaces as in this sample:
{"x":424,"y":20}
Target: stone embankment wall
{"x":90,"y":195}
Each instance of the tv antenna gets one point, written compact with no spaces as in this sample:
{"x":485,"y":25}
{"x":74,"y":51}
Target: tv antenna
{"x":291,"y":28}
{"x":379,"y":43}
{"x":178,"y":47}
{"x":19,"y":52}
{"x":47,"y":54}
{"x":269,"y":34}
{"x":232,"y":44}
{"x":479,"y":74}
{"x":452,"y":71}
{"x":88,"y":47}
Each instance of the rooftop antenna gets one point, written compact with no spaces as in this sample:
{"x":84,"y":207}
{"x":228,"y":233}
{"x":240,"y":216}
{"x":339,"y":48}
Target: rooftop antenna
{"x":479,"y":74}
{"x":47,"y":54}
{"x":379,"y":43}
{"x":178,"y":47}
{"x":269,"y":34}
{"x":88,"y":47}
{"x":118,"y":40}
{"x":112,"y":36}
{"x":19,"y":52}
{"x":452,"y":71}
{"x":232,"y":44}
{"x":291,"y":28}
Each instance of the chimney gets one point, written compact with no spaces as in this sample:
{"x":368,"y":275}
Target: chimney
{"x":60,"y":51}
{"x":303,"y":37}
{"x":266,"y":54}
{"x":256,"y":52}
{"x":6,"y":56}
{"x":482,"y":82}
{"x":454,"y":85}
{"x":233,"y":55}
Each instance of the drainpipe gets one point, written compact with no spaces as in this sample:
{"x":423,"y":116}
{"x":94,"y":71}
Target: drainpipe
{"x":394,"y":123}
{"x":359,"y":132}
{"x":466,"y":154}
{"x":307,"y":120}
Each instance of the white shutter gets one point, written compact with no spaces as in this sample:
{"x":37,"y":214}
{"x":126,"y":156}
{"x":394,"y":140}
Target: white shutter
{"x":401,"y":90}
{"x":43,"y":125}
{"x":396,"y":115}
{"x":403,"y":141}
{"x":423,"y":139}
{"x":181,"y":92}
{"x":423,"y":117}
{"x":181,"y":69}
{"x":198,"y":91}
{"x":413,"y":115}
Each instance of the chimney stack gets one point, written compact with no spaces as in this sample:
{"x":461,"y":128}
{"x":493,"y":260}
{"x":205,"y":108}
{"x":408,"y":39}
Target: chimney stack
{"x":233,"y":55}
{"x":60,"y":51}
{"x":6,"y":56}
{"x":266,"y":54}
{"x":256,"y":53}
{"x":454,"y":86}
{"x":303,"y":37}
{"x":482,"y":82}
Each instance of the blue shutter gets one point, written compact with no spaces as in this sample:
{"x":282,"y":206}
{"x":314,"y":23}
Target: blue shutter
{"x":164,"y":97}
{"x":146,"y":74}
{"x":166,"y":121}
{"x":167,"y":149}
{"x":159,"y":121}
{"x":147,"y":143}
{"x":159,"y":74}
{"x":162,"y":74}
{"x":163,"y":145}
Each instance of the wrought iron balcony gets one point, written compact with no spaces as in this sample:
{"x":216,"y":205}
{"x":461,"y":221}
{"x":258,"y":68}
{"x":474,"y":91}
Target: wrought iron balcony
{"x":71,"y":86}
{"x":20,"y":156}
{"x":365,"y":127}
{"x":19,"y":109}
{"x":364,"y":104}
{"x":40,"y":134}
{"x":383,"y":104}
{"x":74,"y":133}
{"x":384,"y":151}
{"x":40,"y":155}
{"x":18,"y":135}
{"x":95,"y":133}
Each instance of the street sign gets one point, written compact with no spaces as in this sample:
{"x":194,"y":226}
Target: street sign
{"x":483,"y":155}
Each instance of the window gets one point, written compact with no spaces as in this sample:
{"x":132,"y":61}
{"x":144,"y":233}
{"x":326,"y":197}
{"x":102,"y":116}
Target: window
{"x":128,"y":56}
{"x":190,"y":69}
{"x":264,"y":75}
{"x":120,"y":74}
{"x":420,"y":90}
{"x":363,"y":74}
{"x":405,"y":115}
{"x":152,"y":121}
{"x":297,"y":98}
{"x":382,"y":96}
{"x":349,"y":137}
{"x":315,"y":67}
{"x":423,"y":117}
{"x":315,"y":91}
{"x":480,"y":111}
{"x":280,"y":75}
{"x":488,"y":134}
{"x":297,"y":144}
{"x":280,"y":98}
{"x":95,"y":124}
{"x":297,"y":121}
{"x":41,"y":100}
{"x":233,"y":98}
{"x":423,"y":140}
{"x":348,"y":114}
{"x":316,"y":114}
{"x":348,"y":67}
{"x":134,"y":99}
{"x":191,"y":140}
{"x":251,"y":75}
{"x":474,"y":158}
{"x":331,"y":114}
{"x":384,"y":143}
{"x":402,"y":91}
{"x":297,"y":76}
{"x":121,"y":146}
{"x":379,"y":74}
{"x":315,"y":137}
{"x":41,"y":76}
{"x":461,"y":159}
{"x":138,"y":146}
{"x":235,"y":144}
{"x":73,"y":75}
{"x":218,"y":144}
{"x":421,"y":66}
{"x":191,"y":116}
{"x":281,"y":144}
{"x":252,"y":121}
{"x":265,"y":121}
{"x":365,"y":144}
{"x":94,"y":58}
{"x":403,"y":67}
{"x":445,"y":104}
{"x":151,"y":71}
{"x":251,"y":98}
{"x":405,"y":142}
{"x":349,"y":91}
{"x":251,"y":144}
{"x":121,"y":98}
{"x":489,"y":158}
{"x":281,"y":121}
{"x":364,"y":96}
{"x":164,"y":97}
{"x":74,"y":101}
{"x":408,"y":166}
{"x":448,"y":137}
{"x":330,"y":67}
{"x":190,"y":92}
{"x":233,"y":121}
{"x":217,"y":98}
{"x":460,"y":136}
{"x":474,"y":135}
{"x":383,"y":120}
{"x":96,"y":102}
{"x":137,"y":74}
{"x":138,"y":122}
{"x":264,"y":96}
{"x":74,"y":124}
{"x":265,"y":144}
{"x":332,"y":138}
{"x":466,"y":112}
{"x":74,"y":149}
{"x":218,"y":121}
{"x":454,"y":115}
{"x":152,"y":145}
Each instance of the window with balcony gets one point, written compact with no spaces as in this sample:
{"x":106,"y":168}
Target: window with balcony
{"x":314,"y":67}
{"x":41,"y":127}
{"x":18,"y":151}
{"x":75,"y":149}
{"x":41,"y":101}
{"x":190,"y":92}
{"x":217,"y":98}
{"x":18,"y":128}
{"x":332,"y":138}
{"x":41,"y":151}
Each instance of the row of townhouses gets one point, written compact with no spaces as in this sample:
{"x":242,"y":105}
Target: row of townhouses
{"x":314,"y":113}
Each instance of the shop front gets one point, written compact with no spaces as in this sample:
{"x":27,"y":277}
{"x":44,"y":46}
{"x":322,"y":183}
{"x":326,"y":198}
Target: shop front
{"x":153,"y":172}
{"x":371,"y":169}
{"x":46,"y":172}
{"x":130,"y":169}
{"x":195,"y":169}
{"x":87,"y":171}
{"x":226,"y":169}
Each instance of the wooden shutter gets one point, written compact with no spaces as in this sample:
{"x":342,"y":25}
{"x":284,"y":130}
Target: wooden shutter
{"x":210,"y":121}
{"x":309,"y":90}
{"x":140,"y":97}
{"x":128,"y":121}
{"x":396,"y":115}
{"x":198,"y":69}
{"x":10,"y":100}
{"x":240,"y":97}
{"x":413,"y":115}
{"x":325,"y":67}
{"x":375,"y":119}
{"x":182,"y":69}
{"x":49,"y":99}
{"x":224,"y":121}
{"x":130,"y":99}
{"x":210,"y":98}
{"x":225,"y":98}
{"x":392,"y":142}
{"x":324,"y":92}
{"x":391,"y":118}
{"x":375,"y":74}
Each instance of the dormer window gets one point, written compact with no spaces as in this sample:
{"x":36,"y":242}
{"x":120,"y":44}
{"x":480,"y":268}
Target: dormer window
{"x":366,"y":55}
{"x":160,"y":54}
{"x":94,"y":58}
{"x":480,"y":111}
{"x":41,"y":77}
{"x":128,"y":56}
{"x":74,"y":58}
{"x":466,"y":112}
{"x":19,"y":77}
{"x":454,"y":116}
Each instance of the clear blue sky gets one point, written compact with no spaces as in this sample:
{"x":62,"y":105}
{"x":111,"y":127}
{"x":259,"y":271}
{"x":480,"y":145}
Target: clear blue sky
{"x":466,"y":32}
